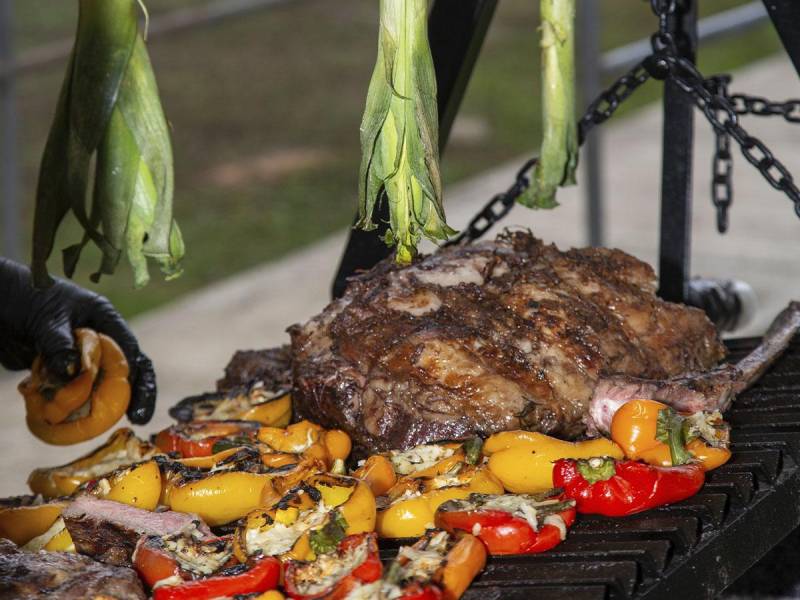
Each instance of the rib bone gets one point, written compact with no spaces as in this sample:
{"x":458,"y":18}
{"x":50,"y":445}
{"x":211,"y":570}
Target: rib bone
{"x":693,"y":392}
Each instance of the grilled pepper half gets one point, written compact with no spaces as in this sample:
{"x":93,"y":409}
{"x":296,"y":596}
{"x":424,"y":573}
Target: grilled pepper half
{"x":27,"y":517}
{"x":187,"y":554}
{"x":121,"y":449}
{"x":224,"y":493}
{"x":250,"y":403}
{"x":333,"y":575}
{"x":523,"y":460}
{"x":653,"y":432}
{"x":105,"y":403}
{"x":511,"y":523}
{"x":309,"y":440}
{"x":438,"y":566}
{"x":617,"y":488}
{"x":412,"y":502}
{"x":259,"y":575}
{"x":310,"y":519}
{"x":199,"y":438}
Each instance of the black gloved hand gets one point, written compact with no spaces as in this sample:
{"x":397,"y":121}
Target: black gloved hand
{"x":34,"y":321}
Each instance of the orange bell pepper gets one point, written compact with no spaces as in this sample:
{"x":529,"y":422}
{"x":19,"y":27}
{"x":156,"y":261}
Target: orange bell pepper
{"x":377,"y":472}
{"x":103,"y":406}
{"x":654,"y":433}
{"x":121,"y":449}
{"x":309,"y":440}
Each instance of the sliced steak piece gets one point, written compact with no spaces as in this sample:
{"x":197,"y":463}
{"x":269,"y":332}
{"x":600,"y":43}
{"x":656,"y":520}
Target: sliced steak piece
{"x":108,"y":531}
{"x":504,"y":334}
{"x":271,"y":366}
{"x":33,"y":575}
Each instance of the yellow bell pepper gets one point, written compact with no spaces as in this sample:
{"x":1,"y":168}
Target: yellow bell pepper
{"x":523,"y":460}
{"x":107,"y":401}
{"x":289,"y":477}
{"x":21,"y":524}
{"x":60,"y":542}
{"x":415,"y":500}
{"x":121,"y":449}
{"x":137,"y":485}
{"x":218,"y":498}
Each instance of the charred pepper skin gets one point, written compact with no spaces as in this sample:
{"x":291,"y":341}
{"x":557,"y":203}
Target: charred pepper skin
{"x":621,"y":488}
{"x":41,"y":321}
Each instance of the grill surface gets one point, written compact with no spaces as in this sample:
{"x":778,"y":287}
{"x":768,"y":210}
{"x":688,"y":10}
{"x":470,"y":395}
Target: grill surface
{"x":695,"y":548}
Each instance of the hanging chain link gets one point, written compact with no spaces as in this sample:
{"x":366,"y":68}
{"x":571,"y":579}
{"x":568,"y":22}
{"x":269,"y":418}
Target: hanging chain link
{"x":710,"y":95}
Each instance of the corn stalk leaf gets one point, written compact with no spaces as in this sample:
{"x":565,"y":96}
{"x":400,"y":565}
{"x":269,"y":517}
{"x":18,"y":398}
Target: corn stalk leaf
{"x":109,"y":111}
{"x":558,"y":158}
{"x":399,"y":133}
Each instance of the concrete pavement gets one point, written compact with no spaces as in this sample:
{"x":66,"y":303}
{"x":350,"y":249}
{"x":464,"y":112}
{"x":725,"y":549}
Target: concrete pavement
{"x":191,"y":340}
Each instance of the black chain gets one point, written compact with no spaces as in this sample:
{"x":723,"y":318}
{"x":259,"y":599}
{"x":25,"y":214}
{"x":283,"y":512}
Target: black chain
{"x":710,"y":95}
{"x":598,"y":111}
{"x":722,"y":163}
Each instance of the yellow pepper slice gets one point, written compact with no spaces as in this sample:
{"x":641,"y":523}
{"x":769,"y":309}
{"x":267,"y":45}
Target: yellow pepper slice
{"x":60,"y":542}
{"x":523,"y":460}
{"x":309,"y":440}
{"x":377,"y":472}
{"x":21,"y":524}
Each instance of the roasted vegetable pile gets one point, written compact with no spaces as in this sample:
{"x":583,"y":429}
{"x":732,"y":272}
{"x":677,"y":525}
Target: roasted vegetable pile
{"x":277,"y":505}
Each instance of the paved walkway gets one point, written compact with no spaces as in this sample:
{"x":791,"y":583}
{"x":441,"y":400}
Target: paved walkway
{"x":191,"y":340}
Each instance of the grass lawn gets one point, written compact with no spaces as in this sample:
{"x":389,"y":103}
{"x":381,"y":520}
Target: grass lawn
{"x":265,"y":112}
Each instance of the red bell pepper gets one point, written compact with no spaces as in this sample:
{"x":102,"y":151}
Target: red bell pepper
{"x":504,"y":530}
{"x":613,"y":488}
{"x":261,"y":576}
{"x":198,"y":438}
{"x":300,"y":576}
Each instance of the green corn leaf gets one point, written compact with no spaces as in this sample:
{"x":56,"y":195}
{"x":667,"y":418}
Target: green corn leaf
{"x":399,"y":133}
{"x":558,"y":158}
{"x":109,"y":112}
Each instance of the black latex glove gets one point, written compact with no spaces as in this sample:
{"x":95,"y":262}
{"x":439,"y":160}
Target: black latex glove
{"x":34,"y":321}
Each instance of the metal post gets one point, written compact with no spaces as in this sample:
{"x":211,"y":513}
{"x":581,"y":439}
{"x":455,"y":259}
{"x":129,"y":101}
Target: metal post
{"x":8,"y":142}
{"x":456,"y":29}
{"x":676,"y":170}
{"x":590,"y":83}
{"x":785,"y":15}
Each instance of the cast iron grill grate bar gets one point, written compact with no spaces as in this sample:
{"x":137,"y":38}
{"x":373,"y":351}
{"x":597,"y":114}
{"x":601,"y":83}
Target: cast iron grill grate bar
{"x":696,"y":547}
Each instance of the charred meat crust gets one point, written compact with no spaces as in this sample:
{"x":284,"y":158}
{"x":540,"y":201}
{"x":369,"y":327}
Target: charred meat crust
{"x":33,"y":575}
{"x":499,"y":335}
{"x":270,"y":366}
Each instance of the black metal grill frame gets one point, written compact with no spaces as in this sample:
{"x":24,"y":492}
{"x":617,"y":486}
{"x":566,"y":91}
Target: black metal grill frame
{"x":693,"y":549}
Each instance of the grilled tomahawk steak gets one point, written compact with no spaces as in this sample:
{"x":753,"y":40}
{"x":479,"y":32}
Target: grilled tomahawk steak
{"x":505,"y":334}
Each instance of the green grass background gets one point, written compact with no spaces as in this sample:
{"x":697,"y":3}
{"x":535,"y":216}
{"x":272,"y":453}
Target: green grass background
{"x":295,"y":77}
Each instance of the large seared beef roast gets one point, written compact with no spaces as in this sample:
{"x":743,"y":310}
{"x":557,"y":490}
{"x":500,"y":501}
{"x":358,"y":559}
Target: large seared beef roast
{"x":506,"y":334}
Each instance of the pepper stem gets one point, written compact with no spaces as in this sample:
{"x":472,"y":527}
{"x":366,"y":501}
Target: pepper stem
{"x":598,"y":468}
{"x":671,"y":431}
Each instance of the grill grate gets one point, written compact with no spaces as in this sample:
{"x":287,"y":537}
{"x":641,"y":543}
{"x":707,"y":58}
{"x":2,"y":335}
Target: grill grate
{"x":697,"y":547}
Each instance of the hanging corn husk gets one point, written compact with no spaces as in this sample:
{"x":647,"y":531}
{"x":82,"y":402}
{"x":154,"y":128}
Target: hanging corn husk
{"x":558,"y":158}
{"x":399,"y":132}
{"x":109,"y":145}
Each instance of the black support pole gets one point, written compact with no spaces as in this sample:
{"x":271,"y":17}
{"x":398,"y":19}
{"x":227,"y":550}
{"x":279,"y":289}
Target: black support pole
{"x":456,"y":29}
{"x":785,"y":15}
{"x":676,"y":169}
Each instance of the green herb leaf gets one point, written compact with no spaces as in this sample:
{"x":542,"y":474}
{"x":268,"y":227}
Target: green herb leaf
{"x":399,"y":133}
{"x":472,"y":450}
{"x":558,"y":158}
{"x":327,"y":538}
